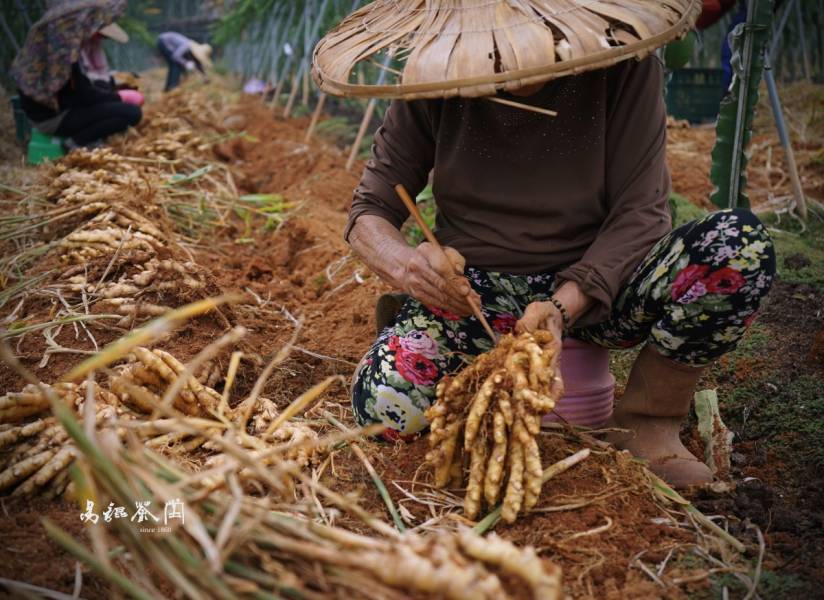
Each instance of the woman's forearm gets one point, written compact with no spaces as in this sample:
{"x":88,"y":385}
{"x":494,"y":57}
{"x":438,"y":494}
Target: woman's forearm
{"x":382,"y":247}
{"x":432,"y":275}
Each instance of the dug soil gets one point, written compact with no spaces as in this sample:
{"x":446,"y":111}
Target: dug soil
{"x":30,"y":556}
{"x":306,"y":272}
{"x":599,"y":520}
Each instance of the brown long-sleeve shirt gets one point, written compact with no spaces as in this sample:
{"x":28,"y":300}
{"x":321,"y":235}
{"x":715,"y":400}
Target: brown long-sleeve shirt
{"x":583,"y":194}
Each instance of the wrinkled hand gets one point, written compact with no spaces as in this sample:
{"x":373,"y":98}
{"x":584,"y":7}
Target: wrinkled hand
{"x":541,"y":315}
{"x":438,"y":281}
{"x":545,"y":315}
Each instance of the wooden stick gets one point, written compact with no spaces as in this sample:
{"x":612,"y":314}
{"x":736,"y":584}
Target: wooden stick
{"x":367,"y":116}
{"x":293,"y":93}
{"x":278,"y":90}
{"x":430,"y":237}
{"x":305,"y":94}
{"x":512,"y":103}
{"x":315,"y":116}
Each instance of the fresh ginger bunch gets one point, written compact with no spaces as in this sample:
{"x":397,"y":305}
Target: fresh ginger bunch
{"x":494,"y":407}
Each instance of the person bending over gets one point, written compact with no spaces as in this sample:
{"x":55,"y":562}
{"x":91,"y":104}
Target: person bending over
{"x":182,"y":55}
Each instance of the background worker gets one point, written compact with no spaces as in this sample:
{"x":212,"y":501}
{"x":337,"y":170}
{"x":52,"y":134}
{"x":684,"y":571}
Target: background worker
{"x":183,"y":55}
{"x":63,"y":79}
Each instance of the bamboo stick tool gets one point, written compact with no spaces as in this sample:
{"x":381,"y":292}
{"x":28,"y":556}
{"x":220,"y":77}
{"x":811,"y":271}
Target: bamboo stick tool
{"x":430,"y":237}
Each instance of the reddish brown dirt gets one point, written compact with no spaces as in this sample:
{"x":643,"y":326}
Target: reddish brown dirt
{"x":291,"y":269}
{"x":300,"y":270}
{"x":29,"y":555}
{"x":689,"y":155}
{"x":596,"y":565}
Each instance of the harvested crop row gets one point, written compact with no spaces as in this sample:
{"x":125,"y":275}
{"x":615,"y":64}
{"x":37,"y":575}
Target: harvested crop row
{"x":33,"y":446}
{"x":113,"y":260}
{"x":271,"y":547}
{"x":490,"y":413}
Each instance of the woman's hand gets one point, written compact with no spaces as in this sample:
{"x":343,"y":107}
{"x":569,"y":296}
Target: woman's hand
{"x":541,"y":315}
{"x":436,"y":279}
{"x":421,"y":272}
{"x":545,"y":315}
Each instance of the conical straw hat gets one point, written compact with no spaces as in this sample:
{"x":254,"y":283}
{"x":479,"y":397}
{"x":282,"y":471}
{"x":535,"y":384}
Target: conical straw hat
{"x":203,"y":53}
{"x":443,"y":48}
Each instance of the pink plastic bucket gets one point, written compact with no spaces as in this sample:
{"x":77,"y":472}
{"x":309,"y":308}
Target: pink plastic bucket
{"x":589,"y":387}
{"x":131,"y":97}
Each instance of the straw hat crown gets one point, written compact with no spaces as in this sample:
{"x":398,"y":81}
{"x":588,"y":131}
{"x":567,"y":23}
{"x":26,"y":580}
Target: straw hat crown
{"x":203,"y":53}
{"x":441,"y":48}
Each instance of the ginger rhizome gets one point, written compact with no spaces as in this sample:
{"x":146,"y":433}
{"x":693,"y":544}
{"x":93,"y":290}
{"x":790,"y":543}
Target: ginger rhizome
{"x":488,"y":416}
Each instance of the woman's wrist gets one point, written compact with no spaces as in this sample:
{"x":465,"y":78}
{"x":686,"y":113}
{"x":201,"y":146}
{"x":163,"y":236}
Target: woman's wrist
{"x":573,"y":300}
{"x":565,"y":322}
{"x":398,"y":257}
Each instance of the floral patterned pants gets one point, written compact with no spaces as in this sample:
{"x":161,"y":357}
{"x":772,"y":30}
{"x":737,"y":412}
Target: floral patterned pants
{"x":692,"y":298}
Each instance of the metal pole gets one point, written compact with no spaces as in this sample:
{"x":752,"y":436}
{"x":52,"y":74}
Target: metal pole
{"x":781,"y":126}
{"x":779,"y":29}
{"x":803,"y":40}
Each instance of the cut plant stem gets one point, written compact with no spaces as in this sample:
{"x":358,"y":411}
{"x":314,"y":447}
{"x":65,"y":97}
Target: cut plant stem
{"x":76,"y":549}
{"x":490,"y":520}
{"x":16,"y":331}
{"x":376,"y":479}
{"x":147,"y":334}
{"x":674,"y":496}
{"x":564,"y":464}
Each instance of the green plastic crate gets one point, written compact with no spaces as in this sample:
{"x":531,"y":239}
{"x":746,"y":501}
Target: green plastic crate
{"x":695,"y":94}
{"x":21,"y":122}
{"x":44,"y":147}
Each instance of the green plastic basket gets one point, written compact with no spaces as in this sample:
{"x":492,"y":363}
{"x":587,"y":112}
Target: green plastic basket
{"x":44,"y":147}
{"x":21,"y":122}
{"x":695,"y":94}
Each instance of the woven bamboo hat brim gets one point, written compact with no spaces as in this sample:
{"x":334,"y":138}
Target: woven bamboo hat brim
{"x":443,"y":48}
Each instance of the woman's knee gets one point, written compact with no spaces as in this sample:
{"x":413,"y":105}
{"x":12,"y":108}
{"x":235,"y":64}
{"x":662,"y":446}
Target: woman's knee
{"x":381,"y":395}
{"x":733,"y":237}
{"x":132,"y":114}
{"x":734,"y":217}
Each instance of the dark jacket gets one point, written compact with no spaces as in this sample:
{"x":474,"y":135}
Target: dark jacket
{"x":78,"y":91}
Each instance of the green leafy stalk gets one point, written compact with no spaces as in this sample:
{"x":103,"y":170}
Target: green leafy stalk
{"x":76,"y":549}
{"x":749,"y":41}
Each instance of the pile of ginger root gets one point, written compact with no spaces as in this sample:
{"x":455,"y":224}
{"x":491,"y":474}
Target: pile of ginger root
{"x":489,"y":415}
